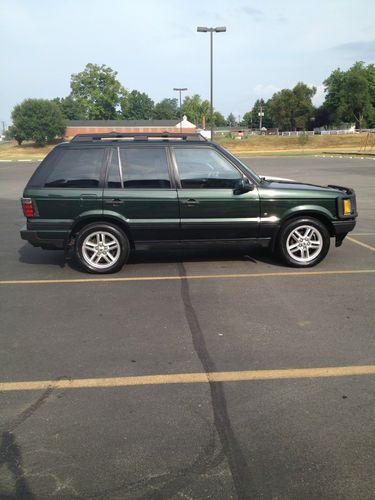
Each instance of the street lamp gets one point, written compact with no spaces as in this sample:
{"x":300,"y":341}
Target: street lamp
{"x":211,"y":31}
{"x":180,"y":89}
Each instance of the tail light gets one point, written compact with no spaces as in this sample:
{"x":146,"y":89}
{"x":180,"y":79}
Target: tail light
{"x":28,"y":207}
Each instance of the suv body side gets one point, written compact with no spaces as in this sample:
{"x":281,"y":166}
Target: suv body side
{"x":99,"y":182}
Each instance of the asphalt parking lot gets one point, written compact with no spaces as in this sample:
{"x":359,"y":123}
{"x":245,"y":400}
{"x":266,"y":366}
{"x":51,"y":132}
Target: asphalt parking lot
{"x":191,"y":374}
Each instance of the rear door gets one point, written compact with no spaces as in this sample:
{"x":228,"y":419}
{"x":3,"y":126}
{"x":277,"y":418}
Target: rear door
{"x":209,"y":207}
{"x":69,"y":184}
{"x":141,"y":191}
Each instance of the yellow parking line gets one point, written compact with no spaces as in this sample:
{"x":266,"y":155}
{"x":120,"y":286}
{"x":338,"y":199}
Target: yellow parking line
{"x":293,"y":274}
{"x":361,"y":244}
{"x":190,"y":378}
{"x":363,"y":234}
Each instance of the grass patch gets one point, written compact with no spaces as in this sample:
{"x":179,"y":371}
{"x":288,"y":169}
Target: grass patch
{"x":267,"y":145}
{"x":279,"y":145}
{"x":27,"y":151}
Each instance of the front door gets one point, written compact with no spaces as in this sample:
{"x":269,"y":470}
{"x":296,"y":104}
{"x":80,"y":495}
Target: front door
{"x":209,"y":205}
{"x":140,"y":190}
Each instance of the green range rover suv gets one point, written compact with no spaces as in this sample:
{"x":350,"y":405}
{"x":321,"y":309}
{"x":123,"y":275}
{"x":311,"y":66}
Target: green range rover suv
{"x":104,"y":194}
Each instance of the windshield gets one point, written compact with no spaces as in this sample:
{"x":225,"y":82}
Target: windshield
{"x":251,"y":172}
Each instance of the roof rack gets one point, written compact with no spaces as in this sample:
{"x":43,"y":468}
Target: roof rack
{"x":138,"y":136}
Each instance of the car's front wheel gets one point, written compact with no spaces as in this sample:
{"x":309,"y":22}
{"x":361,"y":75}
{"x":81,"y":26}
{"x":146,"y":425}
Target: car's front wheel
{"x":102,"y":248}
{"x":303,"y":242}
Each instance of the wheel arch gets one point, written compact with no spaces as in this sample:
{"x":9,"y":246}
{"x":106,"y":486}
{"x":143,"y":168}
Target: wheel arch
{"x":322,"y":217}
{"x":106,"y":218}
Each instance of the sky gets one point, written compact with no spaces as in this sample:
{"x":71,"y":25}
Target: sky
{"x":154,"y":46}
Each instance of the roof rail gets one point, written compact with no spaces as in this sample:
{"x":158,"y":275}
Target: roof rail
{"x":138,"y":136}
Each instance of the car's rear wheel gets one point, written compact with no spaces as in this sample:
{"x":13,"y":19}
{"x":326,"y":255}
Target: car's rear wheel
{"x":102,"y":248}
{"x":303,"y":242}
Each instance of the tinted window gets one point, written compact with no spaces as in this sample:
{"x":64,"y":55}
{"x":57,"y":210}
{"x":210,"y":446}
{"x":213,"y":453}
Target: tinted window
{"x":114,"y":180}
{"x":205,"y":168}
{"x":144,"y":168}
{"x":76,"y":168}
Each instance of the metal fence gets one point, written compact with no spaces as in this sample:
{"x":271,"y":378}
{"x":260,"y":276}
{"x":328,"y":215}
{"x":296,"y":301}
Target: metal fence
{"x":296,"y":133}
{"x":338,"y":132}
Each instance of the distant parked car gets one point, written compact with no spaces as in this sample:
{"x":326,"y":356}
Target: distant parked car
{"x":104,"y":194}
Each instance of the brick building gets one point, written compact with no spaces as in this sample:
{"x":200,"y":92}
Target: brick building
{"x":75,"y":127}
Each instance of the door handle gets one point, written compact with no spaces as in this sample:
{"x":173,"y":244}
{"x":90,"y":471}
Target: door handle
{"x":115,"y":202}
{"x":190,"y":201}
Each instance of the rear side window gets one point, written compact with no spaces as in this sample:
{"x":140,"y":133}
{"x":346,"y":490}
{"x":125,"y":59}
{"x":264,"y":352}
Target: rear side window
{"x":145,"y":168}
{"x":76,"y":168}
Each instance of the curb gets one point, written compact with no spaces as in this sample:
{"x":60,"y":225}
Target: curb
{"x":339,"y":155}
{"x":362,"y":154}
{"x":13,"y":161}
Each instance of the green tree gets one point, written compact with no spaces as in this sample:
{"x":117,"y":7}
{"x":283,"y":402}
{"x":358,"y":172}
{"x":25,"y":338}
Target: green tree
{"x":38,"y":120}
{"x":195,"y":109}
{"x":333,"y":100}
{"x":219,"y":119}
{"x":231,"y":120}
{"x":281,"y":109}
{"x":137,"y":106}
{"x":12,"y":133}
{"x":303,"y":108}
{"x":292,"y":109}
{"x":98,"y":92}
{"x":247,"y":119}
{"x":167,"y":109}
{"x":321,"y":116}
{"x":356,"y":94}
{"x":350,"y":95}
{"x":71,"y":109}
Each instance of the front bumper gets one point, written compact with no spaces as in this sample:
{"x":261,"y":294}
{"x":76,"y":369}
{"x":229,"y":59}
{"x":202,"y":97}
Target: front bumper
{"x":342,"y":228}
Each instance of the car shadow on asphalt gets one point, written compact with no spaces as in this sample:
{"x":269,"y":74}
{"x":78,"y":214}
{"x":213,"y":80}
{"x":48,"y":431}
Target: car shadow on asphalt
{"x":37,"y":256}
{"x":200,"y":255}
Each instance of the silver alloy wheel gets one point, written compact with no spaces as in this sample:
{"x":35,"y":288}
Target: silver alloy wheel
{"x":304,"y":243}
{"x":101,"y":249}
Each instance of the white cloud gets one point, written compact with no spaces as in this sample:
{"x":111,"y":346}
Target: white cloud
{"x":265,"y":90}
{"x":319,"y":96}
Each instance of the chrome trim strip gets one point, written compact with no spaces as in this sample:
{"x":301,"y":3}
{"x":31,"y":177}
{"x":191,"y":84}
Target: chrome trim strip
{"x":208,"y":221}
{"x":153,"y":221}
{"x":235,"y":219}
{"x":120,"y":166}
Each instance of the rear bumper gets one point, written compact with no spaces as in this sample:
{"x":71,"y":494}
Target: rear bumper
{"x":342,"y":228}
{"x":45,"y":239}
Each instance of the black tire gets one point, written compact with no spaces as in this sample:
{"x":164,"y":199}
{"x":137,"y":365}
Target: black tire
{"x":307,"y":250}
{"x":105,"y":242}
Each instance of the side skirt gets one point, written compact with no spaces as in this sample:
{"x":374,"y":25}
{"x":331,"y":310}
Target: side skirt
{"x":256,"y":242}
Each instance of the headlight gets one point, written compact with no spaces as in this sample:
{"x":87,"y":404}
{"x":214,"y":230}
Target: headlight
{"x":347,"y":206}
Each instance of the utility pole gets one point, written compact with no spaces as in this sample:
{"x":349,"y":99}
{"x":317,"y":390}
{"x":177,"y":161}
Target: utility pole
{"x":180,"y":89}
{"x":260,"y":114}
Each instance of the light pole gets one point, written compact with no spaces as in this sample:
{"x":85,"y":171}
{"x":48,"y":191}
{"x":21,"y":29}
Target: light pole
{"x":211,"y":31}
{"x":180,"y":89}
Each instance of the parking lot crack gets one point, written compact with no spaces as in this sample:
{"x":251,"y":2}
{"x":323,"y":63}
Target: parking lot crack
{"x":243,"y":482}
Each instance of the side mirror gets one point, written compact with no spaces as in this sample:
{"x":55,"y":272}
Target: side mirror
{"x":243,"y":186}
